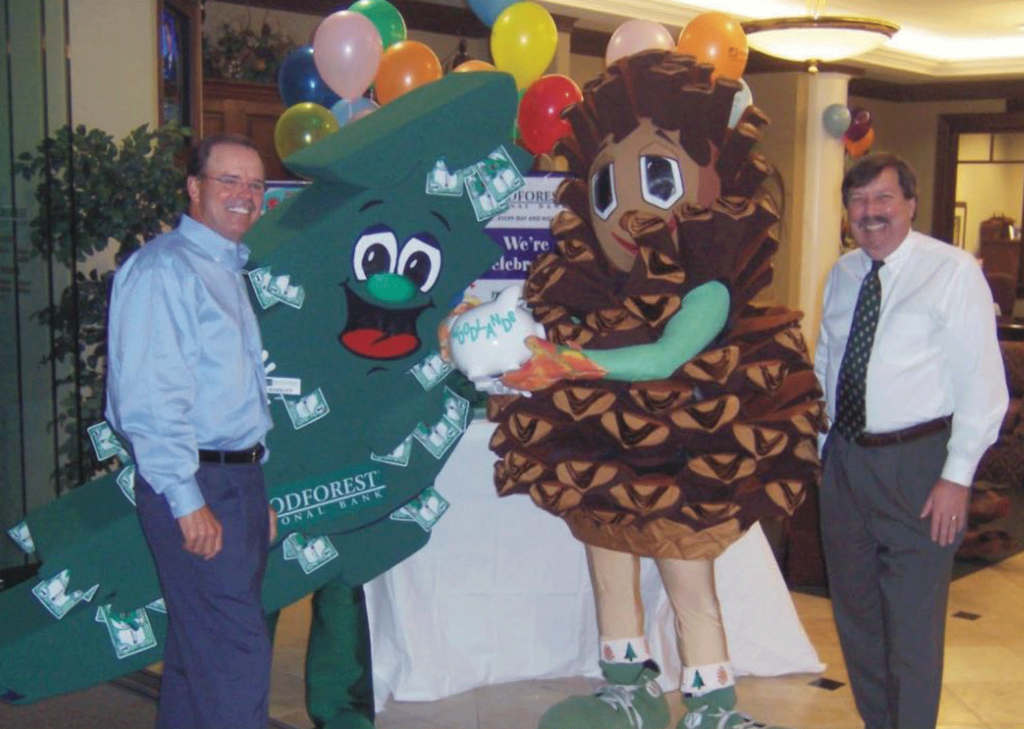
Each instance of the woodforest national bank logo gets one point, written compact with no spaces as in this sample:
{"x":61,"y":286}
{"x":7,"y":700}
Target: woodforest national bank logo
{"x":333,"y":493}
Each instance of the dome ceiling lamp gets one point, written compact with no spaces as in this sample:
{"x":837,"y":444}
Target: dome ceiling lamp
{"x":817,"y":38}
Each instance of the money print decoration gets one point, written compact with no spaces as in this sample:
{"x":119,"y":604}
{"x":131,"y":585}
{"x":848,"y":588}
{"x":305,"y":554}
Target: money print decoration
{"x":431,"y":370}
{"x":105,"y":442}
{"x":311,"y":553}
{"x":440,"y":181}
{"x":126,"y":481}
{"x":130,"y":632}
{"x":307,"y":410}
{"x":54,"y":596}
{"x":425,"y":510}
{"x":271,"y":289}
{"x":22,"y":537}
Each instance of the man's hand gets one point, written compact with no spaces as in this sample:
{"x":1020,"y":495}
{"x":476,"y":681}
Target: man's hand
{"x":202,"y":532}
{"x":947,"y":506}
{"x":273,"y":524}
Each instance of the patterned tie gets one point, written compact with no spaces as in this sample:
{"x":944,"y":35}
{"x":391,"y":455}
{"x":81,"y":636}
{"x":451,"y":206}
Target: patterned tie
{"x":850,"y":415}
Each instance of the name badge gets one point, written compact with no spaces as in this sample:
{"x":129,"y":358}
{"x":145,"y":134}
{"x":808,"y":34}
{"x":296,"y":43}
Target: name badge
{"x":284,"y":386}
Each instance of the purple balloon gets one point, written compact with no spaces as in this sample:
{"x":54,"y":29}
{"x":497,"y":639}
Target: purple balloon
{"x":860,"y":124}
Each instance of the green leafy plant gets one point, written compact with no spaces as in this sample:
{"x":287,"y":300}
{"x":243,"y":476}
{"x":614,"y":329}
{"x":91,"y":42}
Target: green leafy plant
{"x":94,"y":197}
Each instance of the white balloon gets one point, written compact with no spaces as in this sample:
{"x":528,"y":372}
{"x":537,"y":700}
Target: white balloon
{"x":740,"y":102}
{"x":634,"y":36}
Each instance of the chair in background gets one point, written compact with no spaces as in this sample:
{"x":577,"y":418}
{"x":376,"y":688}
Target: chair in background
{"x":1004,"y":290}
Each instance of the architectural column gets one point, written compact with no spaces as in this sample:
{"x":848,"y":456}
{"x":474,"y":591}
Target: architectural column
{"x":811,"y":164}
{"x":562,"y":64}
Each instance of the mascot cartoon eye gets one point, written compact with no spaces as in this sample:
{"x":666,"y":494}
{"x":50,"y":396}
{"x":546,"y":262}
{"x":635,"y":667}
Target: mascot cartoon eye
{"x":420,"y":261}
{"x":661,"y":181}
{"x":602,"y":191}
{"x":375,"y":252}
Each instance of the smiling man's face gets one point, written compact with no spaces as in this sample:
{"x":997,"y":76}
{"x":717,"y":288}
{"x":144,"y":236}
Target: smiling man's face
{"x":223,"y":197}
{"x":646,"y":172}
{"x":880,"y":216}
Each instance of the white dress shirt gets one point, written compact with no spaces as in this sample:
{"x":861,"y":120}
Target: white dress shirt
{"x":935,"y":351}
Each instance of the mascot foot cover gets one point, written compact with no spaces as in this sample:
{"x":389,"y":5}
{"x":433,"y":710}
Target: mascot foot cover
{"x":716,"y":710}
{"x":632,"y":699}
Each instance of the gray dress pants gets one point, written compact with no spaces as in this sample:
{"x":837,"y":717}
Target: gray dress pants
{"x":889,"y":582}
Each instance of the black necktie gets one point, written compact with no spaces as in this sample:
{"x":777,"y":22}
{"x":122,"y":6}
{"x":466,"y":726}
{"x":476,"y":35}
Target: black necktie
{"x":850,"y":415}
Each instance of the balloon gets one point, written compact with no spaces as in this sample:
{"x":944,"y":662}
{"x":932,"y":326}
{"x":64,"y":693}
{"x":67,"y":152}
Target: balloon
{"x":634,"y":36}
{"x":860,"y":124}
{"x":717,"y":39}
{"x":858,"y":147}
{"x":346,"y":111}
{"x":302,"y":125}
{"x":523,"y":42}
{"x":385,"y":18}
{"x":298,"y":80}
{"x":488,"y":10}
{"x":540,"y":112}
{"x":347,"y":49}
{"x":403,"y":67}
{"x":740,"y":102}
{"x":836,"y":120}
{"x":473,"y":65}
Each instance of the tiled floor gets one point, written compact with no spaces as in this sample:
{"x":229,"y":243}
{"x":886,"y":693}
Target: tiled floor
{"x":984,"y":679}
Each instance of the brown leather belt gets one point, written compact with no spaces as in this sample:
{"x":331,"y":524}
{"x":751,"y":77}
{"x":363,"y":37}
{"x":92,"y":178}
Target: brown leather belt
{"x":905,"y":435}
{"x":249,"y":455}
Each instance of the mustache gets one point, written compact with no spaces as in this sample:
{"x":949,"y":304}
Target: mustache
{"x":871,"y":220}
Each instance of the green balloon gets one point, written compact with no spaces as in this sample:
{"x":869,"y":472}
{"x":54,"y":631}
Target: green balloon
{"x":385,"y":17}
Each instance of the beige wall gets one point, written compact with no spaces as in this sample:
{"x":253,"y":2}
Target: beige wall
{"x":909,"y":129}
{"x":113,"y":64}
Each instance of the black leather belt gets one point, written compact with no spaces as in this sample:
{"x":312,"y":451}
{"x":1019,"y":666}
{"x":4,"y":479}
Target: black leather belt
{"x":249,"y":455}
{"x":905,"y":435}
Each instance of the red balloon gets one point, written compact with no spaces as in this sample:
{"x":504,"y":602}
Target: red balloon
{"x":540,"y":111}
{"x":860,"y":124}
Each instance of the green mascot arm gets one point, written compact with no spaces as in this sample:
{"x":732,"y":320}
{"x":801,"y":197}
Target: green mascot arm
{"x":701,"y":317}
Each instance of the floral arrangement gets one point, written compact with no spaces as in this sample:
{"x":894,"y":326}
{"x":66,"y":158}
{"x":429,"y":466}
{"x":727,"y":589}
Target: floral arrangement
{"x":243,"y":54}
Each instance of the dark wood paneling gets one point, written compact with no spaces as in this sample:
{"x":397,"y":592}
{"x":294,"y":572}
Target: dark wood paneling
{"x":249,"y":109}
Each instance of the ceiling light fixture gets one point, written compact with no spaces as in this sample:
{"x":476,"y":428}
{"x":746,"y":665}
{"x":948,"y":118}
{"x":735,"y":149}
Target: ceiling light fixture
{"x":817,"y":38}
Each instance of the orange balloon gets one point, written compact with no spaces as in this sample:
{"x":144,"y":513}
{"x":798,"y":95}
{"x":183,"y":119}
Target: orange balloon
{"x":862,"y":145}
{"x":405,"y":65}
{"x":473,"y":65}
{"x":717,"y":39}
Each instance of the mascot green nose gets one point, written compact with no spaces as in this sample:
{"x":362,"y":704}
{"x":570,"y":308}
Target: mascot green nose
{"x":391,"y":288}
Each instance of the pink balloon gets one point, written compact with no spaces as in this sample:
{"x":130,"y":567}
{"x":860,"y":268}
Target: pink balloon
{"x":634,"y":36}
{"x":346,"y":52}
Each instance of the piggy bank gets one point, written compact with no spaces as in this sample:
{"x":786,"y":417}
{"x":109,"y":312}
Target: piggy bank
{"x":490,"y":339}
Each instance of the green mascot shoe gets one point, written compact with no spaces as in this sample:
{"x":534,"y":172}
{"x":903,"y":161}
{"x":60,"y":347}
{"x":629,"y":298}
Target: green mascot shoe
{"x":717,"y":710}
{"x":631,"y":700}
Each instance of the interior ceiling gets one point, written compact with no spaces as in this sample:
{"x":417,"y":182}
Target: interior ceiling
{"x":938,"y":39}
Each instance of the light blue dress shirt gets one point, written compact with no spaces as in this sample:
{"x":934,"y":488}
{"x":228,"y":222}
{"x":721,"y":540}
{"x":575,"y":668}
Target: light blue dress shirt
{"x":185,"y":370}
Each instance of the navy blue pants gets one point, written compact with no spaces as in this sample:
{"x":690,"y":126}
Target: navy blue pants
{"x":217,"y":656}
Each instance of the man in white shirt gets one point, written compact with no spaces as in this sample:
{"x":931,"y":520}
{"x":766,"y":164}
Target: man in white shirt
{"x":914,"y":403}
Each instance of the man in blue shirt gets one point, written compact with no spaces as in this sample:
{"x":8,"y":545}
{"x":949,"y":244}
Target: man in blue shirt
{"x":186,"y":387}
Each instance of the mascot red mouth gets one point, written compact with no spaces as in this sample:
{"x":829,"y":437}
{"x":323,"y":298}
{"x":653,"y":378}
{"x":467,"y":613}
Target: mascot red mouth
{"x":374,"y":332}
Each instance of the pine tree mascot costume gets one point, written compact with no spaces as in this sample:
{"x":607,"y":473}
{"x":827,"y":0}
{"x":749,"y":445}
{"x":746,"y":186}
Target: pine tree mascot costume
{"x":350,"y":279}
{"x":667,"y":412}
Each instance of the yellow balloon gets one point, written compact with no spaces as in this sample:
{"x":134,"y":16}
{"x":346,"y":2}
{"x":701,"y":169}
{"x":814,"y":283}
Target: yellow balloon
{"x":302,"y":125}
{"x":523,"y":42}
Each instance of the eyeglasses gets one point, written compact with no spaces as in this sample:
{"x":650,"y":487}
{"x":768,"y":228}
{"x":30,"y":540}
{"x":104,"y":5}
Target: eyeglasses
{"x":234,"y":183}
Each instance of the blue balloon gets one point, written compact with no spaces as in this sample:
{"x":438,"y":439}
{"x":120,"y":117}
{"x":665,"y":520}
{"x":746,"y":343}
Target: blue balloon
{"x":345,"y":111}
{"x":298,"y":80}
{"x":489,"y":10}
{"x":836,"y":119}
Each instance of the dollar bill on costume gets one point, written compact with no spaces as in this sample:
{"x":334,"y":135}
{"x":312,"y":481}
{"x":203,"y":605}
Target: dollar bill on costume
{"x":484,"y":204}
{"x":308,"y":409}
{"x":130,"y":632}
{"x":311,"y":553}
{"x":260,"y":280}
{"x":399,"y":456}
{"x":441,"y":181}
{"x":500,"y":175}
{"x":22,"y":537}
{"x":126,"y":480}
{"x":105,"y":442}
{"x":456,"y":409}
{"x":432,"y":370}
{"x":427,"y":508}
{"x":282,"y":289}
{"x":438,"y":438}
{"x":54,"y":596}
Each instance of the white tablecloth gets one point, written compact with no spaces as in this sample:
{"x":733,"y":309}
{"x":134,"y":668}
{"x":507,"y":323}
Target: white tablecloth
{"x":502,"y":593}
